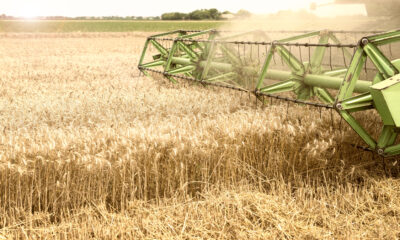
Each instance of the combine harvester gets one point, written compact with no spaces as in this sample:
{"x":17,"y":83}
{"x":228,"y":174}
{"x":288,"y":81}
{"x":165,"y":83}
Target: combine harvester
{"x":350,"y":72}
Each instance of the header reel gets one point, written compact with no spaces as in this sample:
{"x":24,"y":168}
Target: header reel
{"x":320,"y":68}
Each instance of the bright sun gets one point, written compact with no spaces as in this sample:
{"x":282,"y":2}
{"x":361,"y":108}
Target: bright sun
{"x":29,"y":12}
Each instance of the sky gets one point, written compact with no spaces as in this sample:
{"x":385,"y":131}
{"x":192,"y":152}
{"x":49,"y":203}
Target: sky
{"x":73,"y":8}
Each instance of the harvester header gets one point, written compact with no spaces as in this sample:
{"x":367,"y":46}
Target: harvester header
{"x":350,"y":72}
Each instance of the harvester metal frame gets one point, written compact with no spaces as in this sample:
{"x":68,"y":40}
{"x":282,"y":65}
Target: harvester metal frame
{"x":193,"y":58}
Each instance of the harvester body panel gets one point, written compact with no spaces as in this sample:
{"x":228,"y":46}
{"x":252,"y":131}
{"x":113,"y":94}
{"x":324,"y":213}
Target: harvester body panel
{"x":386,"y":95}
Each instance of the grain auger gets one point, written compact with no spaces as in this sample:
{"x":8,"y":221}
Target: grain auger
{"x":350,"y":72}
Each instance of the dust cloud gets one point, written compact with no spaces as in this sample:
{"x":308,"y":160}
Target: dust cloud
{"x":306,"y":21}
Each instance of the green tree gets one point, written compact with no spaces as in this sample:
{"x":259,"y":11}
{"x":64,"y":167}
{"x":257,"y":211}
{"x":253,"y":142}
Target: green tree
{"x":199,"y":15}
{"x":173,"y":16}
{"x":214,"y":13}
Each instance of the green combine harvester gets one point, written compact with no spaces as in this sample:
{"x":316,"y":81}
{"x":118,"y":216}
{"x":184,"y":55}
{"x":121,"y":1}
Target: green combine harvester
{"x":350,"y":72}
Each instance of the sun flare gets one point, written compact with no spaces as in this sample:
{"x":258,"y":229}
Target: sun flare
{"x":29,"y":12}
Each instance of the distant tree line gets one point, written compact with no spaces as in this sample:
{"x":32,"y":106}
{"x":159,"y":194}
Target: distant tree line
{"x":117,"y":18}
{"x":205,"y":14}
{"x":202,"y":14}
{"x":6,"y":17}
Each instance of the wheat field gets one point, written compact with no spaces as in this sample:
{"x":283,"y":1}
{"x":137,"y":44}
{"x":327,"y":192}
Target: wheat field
{"x":90,"y":149}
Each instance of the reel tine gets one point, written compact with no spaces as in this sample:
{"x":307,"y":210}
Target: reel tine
{"x":344,"y":57}
{"x":301,"y":58}
{"x":244,"y":53}
{"x":251,"y":53}
{"x":273,"y":57}
{"x":309,"y":51}
{"x":238,"y":50}
{"x":266,"y":52}
{"x":330,"y":57}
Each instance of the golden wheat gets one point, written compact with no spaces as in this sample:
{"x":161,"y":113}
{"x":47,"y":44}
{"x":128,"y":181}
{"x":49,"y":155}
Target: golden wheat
{"x":89,"y":149}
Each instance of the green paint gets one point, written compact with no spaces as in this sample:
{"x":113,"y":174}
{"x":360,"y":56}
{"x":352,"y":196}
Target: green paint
{"x":386,"y":95}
